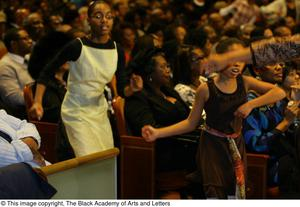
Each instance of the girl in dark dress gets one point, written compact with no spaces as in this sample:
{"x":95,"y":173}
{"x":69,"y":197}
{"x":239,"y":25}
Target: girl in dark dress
{"x":221,"y":149}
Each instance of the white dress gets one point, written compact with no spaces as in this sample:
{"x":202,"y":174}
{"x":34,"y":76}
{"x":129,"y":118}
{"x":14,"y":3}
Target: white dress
{"x":84,"y":109}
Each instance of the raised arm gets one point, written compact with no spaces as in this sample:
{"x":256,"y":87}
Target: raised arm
{"x":260,"y":53}
{"x":151,"y":134}
{"x":266,"y":52}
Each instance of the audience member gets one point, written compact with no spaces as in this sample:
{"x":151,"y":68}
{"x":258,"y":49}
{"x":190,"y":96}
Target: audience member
{"x":159,"y":105}
{"x":263,"y":126}
{"x":186,"y":74}
{"x":19,"y":17}
{"x":34,"y":25}
{"x":243,"y":12}
{"x":13,"y":71}
{"x":2,"y":24}
{"x":93,"y":60}
{"x":19,"y":142}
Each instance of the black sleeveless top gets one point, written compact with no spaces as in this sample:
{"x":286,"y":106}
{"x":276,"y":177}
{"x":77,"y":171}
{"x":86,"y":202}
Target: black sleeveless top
{"x":220,"y":107}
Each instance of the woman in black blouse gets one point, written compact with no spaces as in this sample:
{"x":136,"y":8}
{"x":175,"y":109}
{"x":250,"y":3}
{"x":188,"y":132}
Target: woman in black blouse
{"x":160,"y":105}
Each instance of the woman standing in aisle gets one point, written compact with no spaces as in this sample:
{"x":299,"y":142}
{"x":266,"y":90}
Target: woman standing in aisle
{"x":93,"y":60}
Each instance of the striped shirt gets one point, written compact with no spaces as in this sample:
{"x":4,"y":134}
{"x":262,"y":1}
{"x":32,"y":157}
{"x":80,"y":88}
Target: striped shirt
{"x":16,"y":151}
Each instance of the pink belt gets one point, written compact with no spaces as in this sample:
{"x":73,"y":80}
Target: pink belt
{"x":221,"y":134}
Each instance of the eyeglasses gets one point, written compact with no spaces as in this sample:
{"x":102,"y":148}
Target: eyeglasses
{"x":164,"y":66}
{"x":100,"y":16}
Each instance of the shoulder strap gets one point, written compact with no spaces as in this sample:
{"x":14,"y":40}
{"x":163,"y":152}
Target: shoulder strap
{"x":5,"y":136}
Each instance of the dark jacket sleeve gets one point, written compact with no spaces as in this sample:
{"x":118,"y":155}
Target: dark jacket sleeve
{"x":138,"y":112}
{"x":70,"y":52}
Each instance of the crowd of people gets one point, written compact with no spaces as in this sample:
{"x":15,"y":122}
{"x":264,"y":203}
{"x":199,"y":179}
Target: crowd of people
{"x":227,"y":68}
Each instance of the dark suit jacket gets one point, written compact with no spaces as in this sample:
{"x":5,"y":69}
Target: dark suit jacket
{"x":145,"y":108}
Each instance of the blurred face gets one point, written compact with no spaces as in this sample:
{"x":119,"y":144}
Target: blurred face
{"x":55,"y":21}
{"x":180,"y":33}
{"x":211,"y":33}
{"x":21,"y":14}
{"x":216,"y":20}
{"x":272,"y":73}
{"x":128,"y":37}
{"x":161,"y":74}
{"x":101,"y":19}
{"x":291,"y":79}
{"x":233,"y":70}
{"x":268,"y":33}
{"x":196,"y":56}
{"x":123,"y":9}
{"x":24,"y":43}
{"x":290,"y":22}
{"x":37,"y":24}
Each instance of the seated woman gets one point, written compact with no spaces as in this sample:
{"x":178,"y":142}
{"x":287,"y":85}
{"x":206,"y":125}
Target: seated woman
{"x":268,"y":129}
{"x":159,"y":105}
{"x":186,"y":74}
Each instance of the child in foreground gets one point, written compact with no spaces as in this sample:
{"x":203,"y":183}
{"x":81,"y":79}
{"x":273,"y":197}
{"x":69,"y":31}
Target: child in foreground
{"x":221,"y":153}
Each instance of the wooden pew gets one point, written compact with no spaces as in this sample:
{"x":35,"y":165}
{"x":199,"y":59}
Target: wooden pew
{"x":48,"y":139}
{"x":138,"y":176}
{"x":256,"y":176}
{"x":92,"y":176}
{"x":137,"y":162}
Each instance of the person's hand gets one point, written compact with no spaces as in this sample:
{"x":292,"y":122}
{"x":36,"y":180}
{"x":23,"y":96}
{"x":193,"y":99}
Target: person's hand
{"x":136,"y":83}
{"x":38,"y":158}
{"x":213,"y":63}
{"x":31,"y":142}
{"x":33,"y":146}
{"x":149,"y":133}
{"x":36,"y":111}
{"x":291,"y":111}
{"x":243,"y":111}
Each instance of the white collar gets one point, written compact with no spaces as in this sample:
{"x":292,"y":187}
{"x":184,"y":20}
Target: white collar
{"x":17,"y":58}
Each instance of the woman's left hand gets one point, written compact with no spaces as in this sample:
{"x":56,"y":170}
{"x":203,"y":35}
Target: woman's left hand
{"x":244,"y":110}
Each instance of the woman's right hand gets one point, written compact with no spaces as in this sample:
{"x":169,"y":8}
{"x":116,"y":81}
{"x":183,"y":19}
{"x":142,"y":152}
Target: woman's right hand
{"x":149,"y":133}
{"x":36,"y":111}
